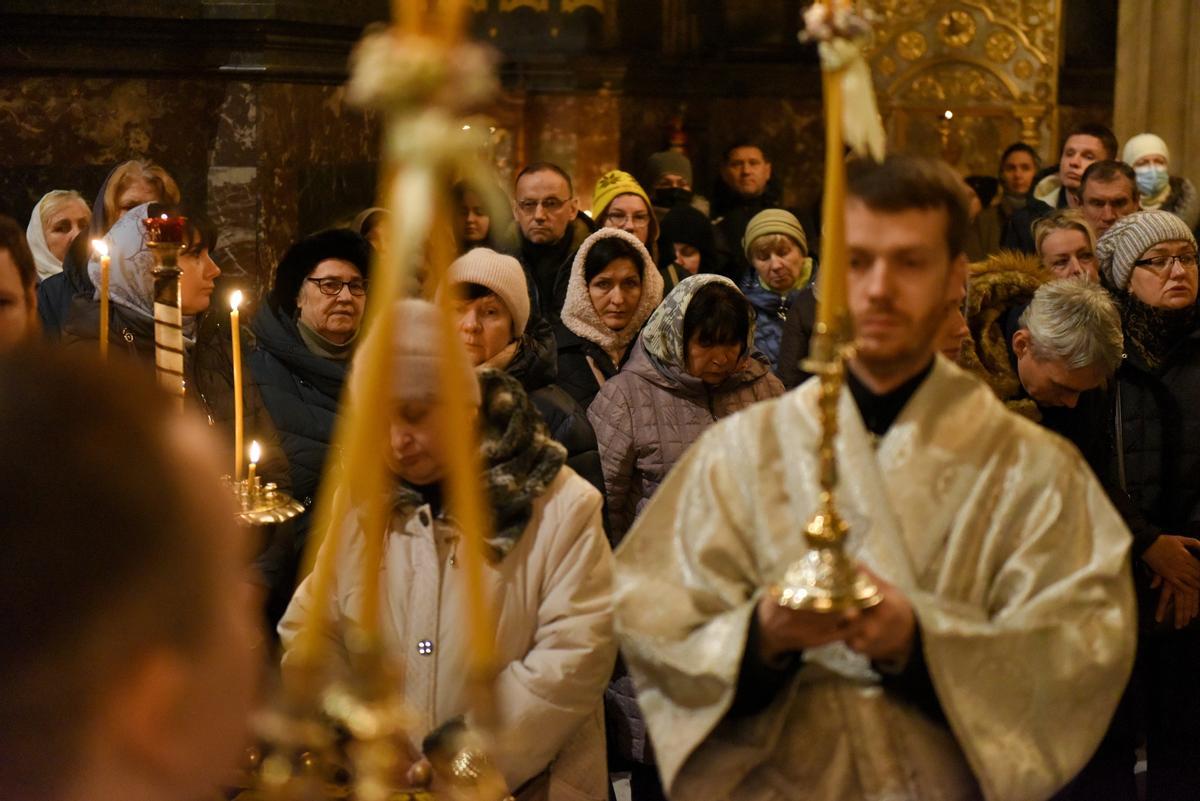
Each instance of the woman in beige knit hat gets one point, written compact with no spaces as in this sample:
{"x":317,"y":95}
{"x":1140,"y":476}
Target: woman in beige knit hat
{"x":548,"y":572}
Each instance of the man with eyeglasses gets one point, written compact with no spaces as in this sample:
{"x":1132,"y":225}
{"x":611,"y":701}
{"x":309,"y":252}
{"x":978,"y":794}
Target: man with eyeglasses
{"x":1148,"y":259}
{"x":551,"y":231}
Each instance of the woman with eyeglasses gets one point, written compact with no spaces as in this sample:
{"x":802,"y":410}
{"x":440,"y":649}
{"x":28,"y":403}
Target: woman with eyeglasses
{"x":620,"y":202}
{"x":305,"y":335}
{"x":1148,"y":260}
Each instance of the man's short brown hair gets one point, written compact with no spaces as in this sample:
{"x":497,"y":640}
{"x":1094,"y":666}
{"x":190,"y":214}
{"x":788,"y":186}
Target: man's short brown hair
{"x":12,"y":239}
{"x":901,"y":183}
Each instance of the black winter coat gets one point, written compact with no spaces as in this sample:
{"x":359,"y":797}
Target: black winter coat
{"x":301,"y":391}
{"x":208,"y":373}
{"x":797,"y":336}
{"x":574,"y":373}
{"x":536,"y":366}
{"x":56,"y":293}
{"x":1160,"y":435}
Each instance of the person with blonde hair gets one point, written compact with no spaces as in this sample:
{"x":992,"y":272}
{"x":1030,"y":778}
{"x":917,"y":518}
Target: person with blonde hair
{"x":57,"y":219}
{"x":129,"y":185}
{"x":1066,"y":245}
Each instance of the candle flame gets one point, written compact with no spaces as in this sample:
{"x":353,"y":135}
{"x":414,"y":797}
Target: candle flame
{"x":255,"y":452}
{"x":100,"y":246}
{"x":235,"y":299}
{"x":166,"y":216}
{"x":949,"y":114}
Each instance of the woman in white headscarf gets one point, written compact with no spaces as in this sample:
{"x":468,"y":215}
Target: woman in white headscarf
{"x":59,"y":217}
{"x":1151,"y":162}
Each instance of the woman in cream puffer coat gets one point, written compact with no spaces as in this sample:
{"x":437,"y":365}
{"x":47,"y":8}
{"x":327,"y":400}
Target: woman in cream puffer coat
{"x":547,"y":577}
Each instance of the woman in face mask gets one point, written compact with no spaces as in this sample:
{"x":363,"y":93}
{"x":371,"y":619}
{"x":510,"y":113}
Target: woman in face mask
{"x":1151,"y":161}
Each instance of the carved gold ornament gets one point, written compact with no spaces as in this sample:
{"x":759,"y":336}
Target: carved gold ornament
{"x":911,"y":45}
{"x":956,"y":28}
{"x":1000,"y":46}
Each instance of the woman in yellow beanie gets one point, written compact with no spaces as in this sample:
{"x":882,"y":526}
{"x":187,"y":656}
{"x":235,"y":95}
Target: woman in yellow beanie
{"x":620,"y":202}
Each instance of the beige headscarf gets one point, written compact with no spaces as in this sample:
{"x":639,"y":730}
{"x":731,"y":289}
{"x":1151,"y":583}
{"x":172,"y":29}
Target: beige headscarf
{"x":579,"y":315}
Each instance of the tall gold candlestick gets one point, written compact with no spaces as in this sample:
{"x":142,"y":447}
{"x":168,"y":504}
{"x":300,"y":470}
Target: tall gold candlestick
{"x":239,"y":430}
{"x":101,"y":247}
{"x":831,"y":284}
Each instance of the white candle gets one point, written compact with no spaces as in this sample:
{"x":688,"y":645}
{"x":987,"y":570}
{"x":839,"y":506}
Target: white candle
{"x":255,"y":454}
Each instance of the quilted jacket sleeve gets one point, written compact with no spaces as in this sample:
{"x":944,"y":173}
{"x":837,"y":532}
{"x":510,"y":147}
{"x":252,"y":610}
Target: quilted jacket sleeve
{"x":612,"y":420}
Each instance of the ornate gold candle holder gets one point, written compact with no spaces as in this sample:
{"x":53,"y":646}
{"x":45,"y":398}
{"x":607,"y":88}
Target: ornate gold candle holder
{"x":262,"y":504}
{"x":825,"y":579}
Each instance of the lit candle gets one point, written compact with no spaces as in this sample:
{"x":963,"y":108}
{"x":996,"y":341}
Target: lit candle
{"x":101,"y":247}
{"x":239,"y":431}
{"x":255,"y":454}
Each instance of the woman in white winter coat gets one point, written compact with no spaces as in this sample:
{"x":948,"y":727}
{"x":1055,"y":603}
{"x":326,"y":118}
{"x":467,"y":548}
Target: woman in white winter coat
{"x":548,"y":578}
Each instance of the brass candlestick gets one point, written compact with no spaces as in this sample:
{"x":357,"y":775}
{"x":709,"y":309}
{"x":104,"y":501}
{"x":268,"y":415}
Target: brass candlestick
{"x":262,"y":504}
{"x":825,"y":579}
{"x":164,"y":238}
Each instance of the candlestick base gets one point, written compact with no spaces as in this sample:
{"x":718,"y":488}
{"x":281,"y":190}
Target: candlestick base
{"x":825,"y":579}
{"x":262,"y":504}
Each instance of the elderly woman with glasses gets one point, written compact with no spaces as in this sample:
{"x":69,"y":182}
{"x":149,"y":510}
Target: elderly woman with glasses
{"x":1148,"y":260}
{"x":305,"y":335}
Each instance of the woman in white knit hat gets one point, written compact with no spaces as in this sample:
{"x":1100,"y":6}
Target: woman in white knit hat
{"x":1148,"y":259}
{"x":1151,"y":162}
{"x":547,"y":573}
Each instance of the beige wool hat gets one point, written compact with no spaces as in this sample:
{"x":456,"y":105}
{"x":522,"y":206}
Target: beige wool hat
{"x":418,"y":354}
{"x":500,"y":273}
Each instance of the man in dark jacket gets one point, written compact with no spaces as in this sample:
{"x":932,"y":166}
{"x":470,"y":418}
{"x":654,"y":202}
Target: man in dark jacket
{"x":550,"y":230}
{"x":1084,"y":144}
{"x":745,"y":188}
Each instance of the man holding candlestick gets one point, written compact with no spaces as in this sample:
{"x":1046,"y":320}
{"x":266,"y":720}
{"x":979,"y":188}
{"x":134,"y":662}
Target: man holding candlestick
{"x":1004,"y":637}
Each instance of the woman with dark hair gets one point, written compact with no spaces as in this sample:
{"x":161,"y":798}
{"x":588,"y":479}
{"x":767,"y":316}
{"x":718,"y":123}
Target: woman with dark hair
{"x":686,"y":247}
{"x":477,"y":225}
{"x":613,"y":288}
{"x":208,"y":343}
{"x":694,"y":363}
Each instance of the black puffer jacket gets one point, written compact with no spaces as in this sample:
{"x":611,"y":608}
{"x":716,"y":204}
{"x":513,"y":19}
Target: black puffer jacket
{"x":208,"y":369}
{"x":535,"y":365}
{"x":796,"y":339}
{"x":1160,"y":435}
{"x":301,"y":391}
{"x":574,"y":373}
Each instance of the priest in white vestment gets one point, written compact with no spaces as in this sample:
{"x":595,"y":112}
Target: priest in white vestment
{"x":1006,"y":634}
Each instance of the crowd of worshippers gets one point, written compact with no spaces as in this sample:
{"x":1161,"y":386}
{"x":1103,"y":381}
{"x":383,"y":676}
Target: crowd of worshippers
{"x":605,"y":344}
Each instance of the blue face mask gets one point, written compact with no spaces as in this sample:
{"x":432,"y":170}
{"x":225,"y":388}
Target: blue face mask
{"x":1151,"y":179}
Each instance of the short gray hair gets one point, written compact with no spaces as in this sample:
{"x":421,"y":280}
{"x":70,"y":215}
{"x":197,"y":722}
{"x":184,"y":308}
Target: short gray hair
{"x":1077,"y":322}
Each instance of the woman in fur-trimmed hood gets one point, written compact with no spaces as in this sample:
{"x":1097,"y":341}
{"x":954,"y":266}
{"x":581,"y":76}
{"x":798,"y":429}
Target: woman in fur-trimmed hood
{"x":613,"y":288}
{"x":999,"y":288}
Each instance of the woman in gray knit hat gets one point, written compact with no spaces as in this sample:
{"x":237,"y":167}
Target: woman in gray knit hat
{"x":1148,"y":259}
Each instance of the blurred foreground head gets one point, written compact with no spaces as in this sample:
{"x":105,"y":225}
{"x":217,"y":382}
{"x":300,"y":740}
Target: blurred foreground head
{"x":127,"y":666}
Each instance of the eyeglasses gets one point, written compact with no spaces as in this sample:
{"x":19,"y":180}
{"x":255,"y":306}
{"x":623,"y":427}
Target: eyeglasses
{"x":1159,"y":263}
{"x":640,"y":220}
{"x":550,"y":204}
{"x":333,"y":286}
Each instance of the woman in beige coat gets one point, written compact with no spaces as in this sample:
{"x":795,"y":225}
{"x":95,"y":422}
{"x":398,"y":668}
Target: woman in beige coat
{"x":548,"y":578}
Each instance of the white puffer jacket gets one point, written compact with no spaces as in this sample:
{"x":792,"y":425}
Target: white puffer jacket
{"x":552,"y":601}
